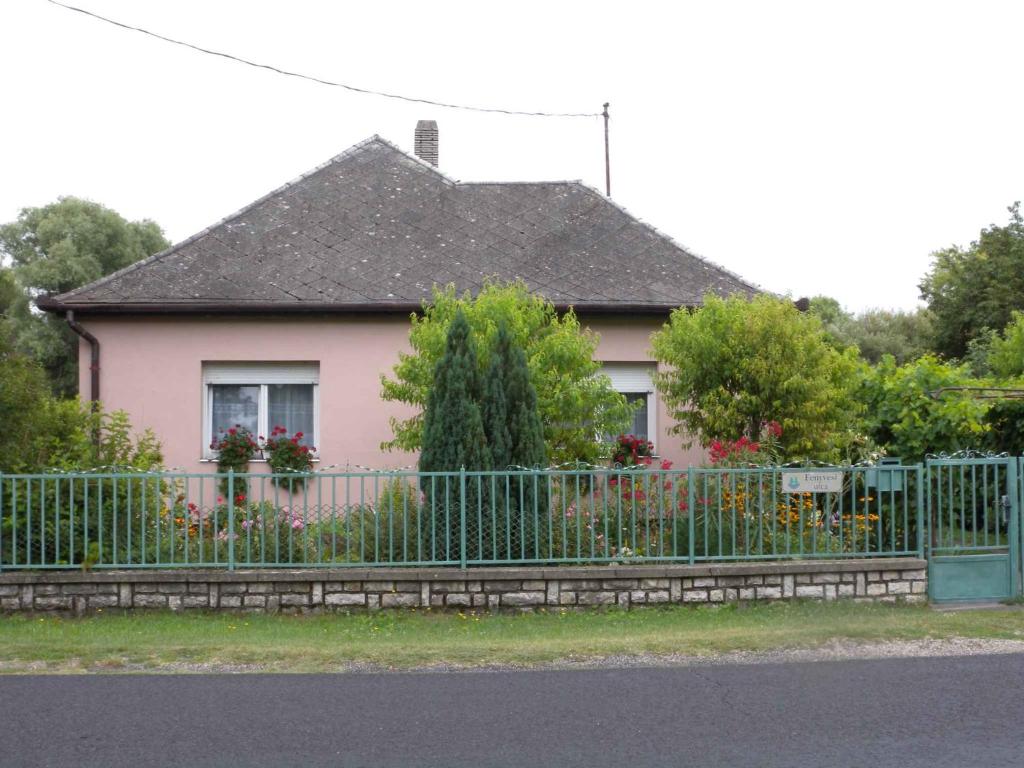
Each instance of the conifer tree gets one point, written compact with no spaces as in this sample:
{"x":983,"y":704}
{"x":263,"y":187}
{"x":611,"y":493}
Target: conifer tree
{"x":515,"y":439}
{"x":494,"y":407}
{"x":453,"y":439}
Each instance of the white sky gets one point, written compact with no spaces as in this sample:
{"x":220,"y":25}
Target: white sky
{"x":817,"y":147}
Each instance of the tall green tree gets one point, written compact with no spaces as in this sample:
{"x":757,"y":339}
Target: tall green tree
{"x":735,"y":364}
{"x":453,"y":428}
{"x":56,"y":248}
{"x":515,"y":434}
{"x":9,"y":291}
{"x":453,"y":438}
{"x":24,"y":395}
{"x":976,"y":288}
{"x":515,"y":439}
{"x":575,"y":401}
{"x":876,"y":332}
{"x":1005,"y":353}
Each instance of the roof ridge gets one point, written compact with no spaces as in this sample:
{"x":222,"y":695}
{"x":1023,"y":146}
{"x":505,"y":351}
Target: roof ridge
{"x":550,"y":181}
{"x":672,"y":240}
{"x":375,"y":138}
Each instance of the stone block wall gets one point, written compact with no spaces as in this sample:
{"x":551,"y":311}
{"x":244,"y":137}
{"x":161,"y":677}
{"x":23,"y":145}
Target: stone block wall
{"x":525,"y":588}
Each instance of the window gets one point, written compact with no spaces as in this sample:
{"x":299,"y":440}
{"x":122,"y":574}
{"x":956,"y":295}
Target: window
{"x":259,"y":397}
{"x":640,"y":427}
{"x":636,"y":382}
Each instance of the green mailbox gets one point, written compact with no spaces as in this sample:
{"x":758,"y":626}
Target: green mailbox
{"x":882,"y":479}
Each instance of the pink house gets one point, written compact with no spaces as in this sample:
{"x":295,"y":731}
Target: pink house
{"x":289,"y":310}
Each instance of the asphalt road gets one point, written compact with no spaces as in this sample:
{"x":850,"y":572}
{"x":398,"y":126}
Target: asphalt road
{"x":897,"y":712}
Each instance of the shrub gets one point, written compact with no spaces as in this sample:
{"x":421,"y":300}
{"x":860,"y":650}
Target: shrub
{"x":734,"y":364}
{"x":908,"y":414}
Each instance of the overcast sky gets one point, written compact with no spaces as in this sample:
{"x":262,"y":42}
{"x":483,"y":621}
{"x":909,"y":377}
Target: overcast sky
{"x":818,"y":147}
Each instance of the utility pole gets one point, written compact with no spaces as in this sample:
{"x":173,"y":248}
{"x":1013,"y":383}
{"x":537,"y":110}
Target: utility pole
{"x":607,"y":159}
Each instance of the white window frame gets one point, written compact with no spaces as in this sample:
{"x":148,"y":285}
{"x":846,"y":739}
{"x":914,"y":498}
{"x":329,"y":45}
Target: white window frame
{"x":637,"y":378}
{"x":261,"y":375}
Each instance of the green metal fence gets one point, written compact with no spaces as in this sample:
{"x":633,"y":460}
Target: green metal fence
{"x":162,"y":520}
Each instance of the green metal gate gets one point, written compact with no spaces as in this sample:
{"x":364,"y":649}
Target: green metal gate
{"x":974,"y":510}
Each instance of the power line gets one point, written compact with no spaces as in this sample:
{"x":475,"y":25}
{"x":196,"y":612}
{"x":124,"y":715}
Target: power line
{"x":319,"y":80}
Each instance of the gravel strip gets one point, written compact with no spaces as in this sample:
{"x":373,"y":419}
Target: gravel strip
{"x":837,"y":650}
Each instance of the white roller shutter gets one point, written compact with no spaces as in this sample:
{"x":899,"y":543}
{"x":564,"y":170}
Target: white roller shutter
{"x":630,"y":377}
{"x":261,"y":373}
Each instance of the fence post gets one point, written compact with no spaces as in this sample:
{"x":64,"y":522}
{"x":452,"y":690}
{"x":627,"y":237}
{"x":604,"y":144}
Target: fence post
{"x":462,"y":517}
{"x":1015,"y":496}
{"x":920,"y":511}
{"x":1013,"y":530}
{"x":1,"y":522}
{"x":231,"y":519}
{"x":691,"y":509}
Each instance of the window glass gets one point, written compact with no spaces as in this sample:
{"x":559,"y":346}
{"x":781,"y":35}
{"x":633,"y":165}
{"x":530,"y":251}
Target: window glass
{"x":234,"y":404}
{"x":639,"y":415}
{"x":291,"y":406}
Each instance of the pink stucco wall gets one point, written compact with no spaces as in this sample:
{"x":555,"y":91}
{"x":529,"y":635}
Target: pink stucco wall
{"x":152,"y":368}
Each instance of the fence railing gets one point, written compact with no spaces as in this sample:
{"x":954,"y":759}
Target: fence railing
{"x":161,"y":520}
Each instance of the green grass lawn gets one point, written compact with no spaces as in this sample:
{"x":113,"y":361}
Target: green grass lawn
{"x":129,"y":642}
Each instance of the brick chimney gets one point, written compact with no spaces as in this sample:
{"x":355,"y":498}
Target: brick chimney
{"x":426,"y":141}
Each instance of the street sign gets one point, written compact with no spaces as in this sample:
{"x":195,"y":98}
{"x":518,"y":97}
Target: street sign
{"x":812,"y":482}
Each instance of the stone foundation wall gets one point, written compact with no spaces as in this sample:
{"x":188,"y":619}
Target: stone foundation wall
{"x":525,"y":588}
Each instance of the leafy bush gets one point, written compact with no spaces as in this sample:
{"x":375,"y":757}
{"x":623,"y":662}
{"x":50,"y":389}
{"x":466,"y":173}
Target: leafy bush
{"x":734,"y":364}
{"x":902,"y":414}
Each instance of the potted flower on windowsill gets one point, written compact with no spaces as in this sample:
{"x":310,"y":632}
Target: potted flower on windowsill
{"x":289,"y":460}
{"x":235,"y":449}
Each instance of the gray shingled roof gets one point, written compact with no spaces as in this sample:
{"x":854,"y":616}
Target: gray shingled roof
{"x":375,"y":228}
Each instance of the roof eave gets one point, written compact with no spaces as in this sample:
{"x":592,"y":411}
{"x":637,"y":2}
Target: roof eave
{"x":51,"y":304}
